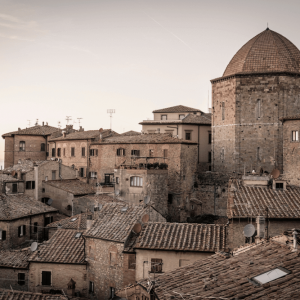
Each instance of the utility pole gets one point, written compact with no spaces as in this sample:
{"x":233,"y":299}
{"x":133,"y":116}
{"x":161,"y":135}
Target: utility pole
{"x":111,"y":112}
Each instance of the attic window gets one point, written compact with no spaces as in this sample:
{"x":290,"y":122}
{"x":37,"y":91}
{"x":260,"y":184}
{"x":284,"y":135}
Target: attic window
{"x":74,"y":219}
{"x":78,"y":235}
{"x":270,"y":275}
{"x":279,"y":185}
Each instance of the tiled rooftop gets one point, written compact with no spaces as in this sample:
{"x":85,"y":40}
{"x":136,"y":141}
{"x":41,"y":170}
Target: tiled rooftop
{"x":34,"y":130}
{"x":19,"y":295}
{"x":63,"y":247}
{"x":155,"y":138}
{"x":14,"y":258}
{"x":177,"y":109}
{"x":266,"y":52}
{"x":17,"y":206}
{"x":67,"y":223}
{"x":294,"y":117}
{"x":219,"y":278}
{"x":83,"y":135}
{"x":25,"y":165}
{"x":131,"y":132}
{"x":182,"y":237}
{"x":73,"y":186}
{"x":115,"y":225}
{"x":246,"y":201}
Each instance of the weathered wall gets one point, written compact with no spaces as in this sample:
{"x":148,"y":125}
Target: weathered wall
{"x":61,"y":274}
{"x":8,"y":152}
{"x":9,"y":279}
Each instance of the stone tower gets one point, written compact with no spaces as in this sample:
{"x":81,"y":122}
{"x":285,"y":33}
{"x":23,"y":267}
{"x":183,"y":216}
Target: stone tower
{"x":260,"y":85}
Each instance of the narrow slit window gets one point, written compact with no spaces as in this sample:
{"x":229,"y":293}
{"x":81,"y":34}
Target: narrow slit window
{"x":295,"y":136}
{"x":223,"y":111}
{"x":258,"y":109}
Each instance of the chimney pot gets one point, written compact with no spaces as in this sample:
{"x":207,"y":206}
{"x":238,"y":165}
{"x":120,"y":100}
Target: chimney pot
{"x":43,"y":124}
{"x":19,"y":129}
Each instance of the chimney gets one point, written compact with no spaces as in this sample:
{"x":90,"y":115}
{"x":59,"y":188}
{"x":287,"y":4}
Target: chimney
{"x":81,"y":129}
{"x":89,"y":221}
{"x":19,"y":129}
{"x":42,"y":123}
{"x":46,"y":123}
{"x":71,"y":288}
{"x":260,"y":221}
{"x":64,"y":134}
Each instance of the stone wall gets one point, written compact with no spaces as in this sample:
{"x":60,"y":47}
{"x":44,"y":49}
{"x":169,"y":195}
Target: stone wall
{"x":252,"y":140}
{"x":9,"y":279}
{"x":9,"y":152}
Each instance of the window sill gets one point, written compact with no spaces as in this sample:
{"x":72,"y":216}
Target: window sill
{"x":136,"y":186}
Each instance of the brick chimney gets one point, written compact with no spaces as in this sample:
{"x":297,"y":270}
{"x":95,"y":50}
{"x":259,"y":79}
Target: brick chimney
{"x":260,"y":221}
{"x":89,"y":221}
{"x":71,"y":288}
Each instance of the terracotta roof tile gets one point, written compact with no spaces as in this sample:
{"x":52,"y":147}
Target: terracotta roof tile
{"x":14,"y":259}
{"x":266,"y":52}
{"x":182,"y":237}
{"x":63,"y":247}
{"x":26,"y":165}
{"x":74,"y":186}
{"x":83,"y":135}
{"x":72,"y":222}
{"x":35,"y":130}
{"x":15,"y":206}
{"x":249,"y":201}
{"x":177,"y":109}
{"x":17,"y":295}
{"x":131,"y":132}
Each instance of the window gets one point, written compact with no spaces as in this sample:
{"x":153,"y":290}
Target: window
{"x":279,"y":185}
{"x":21,"y":230}
{"x":156,"y":265}
{"x":21,"y":278}
{"x":258,"y":109}
{"x":83,"y":151}
{"x":131,"y":261}
{"x":35,"y":227}
{"x":22,"y":146}
{"x":223,"y":111}
{"x":113,"y":258}
{"x":48,"y":220}
{"x":53,"y":175}
{"x":117,"y":180}
{"x":72,"y":151}
{"x":108,"y":178}
{"x":91,"y":287}
{"x":59,"y":152}
{"x":209,"y":138}
{"x":46,"y":278}
{"x":43,"y":147}
{"x":112,"y":292}
{"x":64,"y":151}
{"x":15,"y":188}
{"x":163,"y":117}
{"x":93,"y":175}
{"x":181,"y":117}
{"x":222,"y":154}
{"x":43,"y":190}
{"x":209,"y":156}
{"x":93,"y":152}
{"x":120,"y":152}
{"x":81,"y":172}
{"x":135,"y":152}
{"x":30,"y":185}
{"x":136,"y":181}
{"x":53,"y":152}
{"x":170,"y":198}
{"x":270,"y":275}
{"x":295,"y":136}
{"x":165,"y":153}
{"x":188,"y":136}
{"x":2,"y":235}
{"x":258,"y":154}
{"x":151,"y":151}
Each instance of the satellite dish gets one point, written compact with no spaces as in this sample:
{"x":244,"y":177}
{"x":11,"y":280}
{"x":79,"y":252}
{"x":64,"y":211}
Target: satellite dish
{"x":13,"y":173}
{"x":145,"y":218}
{"x":34,"y":246}
{"x":275,"y":173}
{"x":117,"y":192}
{"x":249,"y":230}
{"x":50,"y":201}
{"x":146,"y":199}
{"x":137,"y":228}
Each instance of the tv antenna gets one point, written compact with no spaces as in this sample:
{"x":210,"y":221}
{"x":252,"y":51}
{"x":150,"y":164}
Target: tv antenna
{"x":79,"y":121}
{"x":68,"y":118}
{"x":29,"y":123}
{"x":111,"y":112}
{"x":59,"y":125}
{"x":37,"y":122}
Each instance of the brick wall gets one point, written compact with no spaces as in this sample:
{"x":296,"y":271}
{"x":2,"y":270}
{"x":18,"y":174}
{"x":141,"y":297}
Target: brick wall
{"x":9,"y":279}
{"x":9,"y":152}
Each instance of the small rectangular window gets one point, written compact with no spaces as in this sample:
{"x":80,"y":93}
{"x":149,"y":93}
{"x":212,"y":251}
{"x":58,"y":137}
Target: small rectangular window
{"x":188,"y":136}
{"x":83,"y":151}
{"x":258,"y":108}
{"x":46,"y":278}
{"x":59,"y":152}
{"x":209,"y":138}
{"x":35,"y":227}
{"x":81,"y":172}
{"x":136,"y":181}
{"x":156,"y":265}
{"x":113,"y":258}
{"x":223,"y":111}
{"x":53,"y":152}
{"x":181,"y":117}
{"x":21,"y":278}
{"x":170,"y":198}
{"x":72,"y":151}
{"x":43,"y":147}
{"x":93,"y":152}
{"x":93,"y":175}
{"x":279,"y":185}
{"x":30,"y":185}
{"x":91,"y":287}
{"x":15,"y":188}
{"x":120,"y":152}
{"x":295,"y":136}
{"x":117,"y":180}
{"x":64,"y":151}
{"x":22,"y":146}
{"x":163,"y":117}
{"x":135,"y":152}
{"x":209,"y":156}
{"x":21,"y":230}
{"x":165,"y":153}
{"x":2,"y":235}
{"x":53,"y":175}
{"x":48,"y":220}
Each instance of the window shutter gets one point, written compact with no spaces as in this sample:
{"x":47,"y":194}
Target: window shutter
{"x":33,"y":185}
{"x":3,"y":235}
{"x":123,"y":152}
{"x":19,"y":231}
{"x":132,"y":152}
{"x":24,"y":229}
{"x":118,"y":152}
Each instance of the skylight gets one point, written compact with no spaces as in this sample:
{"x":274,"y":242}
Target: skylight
{"x":74,"y":219}
{"x":271,"y":275}
{"x":77,"y":235}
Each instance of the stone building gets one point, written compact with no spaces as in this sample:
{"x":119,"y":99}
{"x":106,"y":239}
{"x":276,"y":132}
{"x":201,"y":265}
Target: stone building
{"x":22,"y":219}
{"x":63,"y":192}
{"x":16,"y":295}
{"x":260,"y":85}
{"x":33,"y":173}
{"x":162,"y":247}
{"x":27,"y":143}
{"x":109,"y":267}
{"x":11,"y":185}
{"x":271,"y":206}
{"x":14,"y":268}
{"x":185,"y":123}
{"x":57,"y":261}
{"x":150,"y":150}
{"x":73,"y":149}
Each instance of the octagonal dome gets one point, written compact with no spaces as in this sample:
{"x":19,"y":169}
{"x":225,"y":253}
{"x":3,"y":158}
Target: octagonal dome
{"x":267,"y":52}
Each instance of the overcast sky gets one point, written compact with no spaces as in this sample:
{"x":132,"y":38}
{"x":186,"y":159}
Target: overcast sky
{"x":79,"y":57}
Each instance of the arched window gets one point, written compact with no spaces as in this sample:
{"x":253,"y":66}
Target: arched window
{"x":22,"y":146}
{"x":136,"y":181}
{"x":120,"y":152}
{"x":43,"y":147}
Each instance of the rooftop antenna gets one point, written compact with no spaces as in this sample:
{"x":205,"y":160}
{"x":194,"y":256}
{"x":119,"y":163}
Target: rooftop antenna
{"x":29,"y":122}
{"x":111,"y":112}
{"x":37,"y":122}
{"x":79,"y":121}
{"x":68,"y":118}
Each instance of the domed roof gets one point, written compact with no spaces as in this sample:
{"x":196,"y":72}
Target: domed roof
{"x":267,"y":52}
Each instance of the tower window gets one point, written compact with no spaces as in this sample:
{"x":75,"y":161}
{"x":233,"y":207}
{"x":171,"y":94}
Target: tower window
{"x":22,"y":146}
{"x":258,"y":154}
{"x":223,"y":111}
{"x":163,"y":117}
{"x":258,"y":109}
{"x":222,"y":154}
{"x":295,"y":135}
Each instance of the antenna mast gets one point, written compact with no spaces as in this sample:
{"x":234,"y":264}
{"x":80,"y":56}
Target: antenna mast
{"x":59,"y":125}
{"x":29,"y":122}
{"x":111,"y":112}
{"x":68,"y":118}
{"x":79,"y":121}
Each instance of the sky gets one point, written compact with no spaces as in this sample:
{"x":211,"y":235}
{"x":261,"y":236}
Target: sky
{"x":79,"y":58}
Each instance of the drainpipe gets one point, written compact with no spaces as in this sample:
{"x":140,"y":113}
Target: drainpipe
{"x":198,"y":143}
{"x":36,"y":179}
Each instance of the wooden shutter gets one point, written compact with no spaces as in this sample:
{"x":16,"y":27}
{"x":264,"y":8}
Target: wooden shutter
{"x":132,"y":152}
{"x":19,"y":231}
{"x":46,"y":278}
{"x":90,"y":173}
{"x":123,"y":152}
{"x":24,"y":230}
{"x":33,"y":185}
{"x":96,"y":152}
{"x":3,"y":235}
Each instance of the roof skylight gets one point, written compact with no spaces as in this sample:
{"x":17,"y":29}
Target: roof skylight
{"x":271,"y":275}
{"x":77,"y":235}
{"x":74,"y":219}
